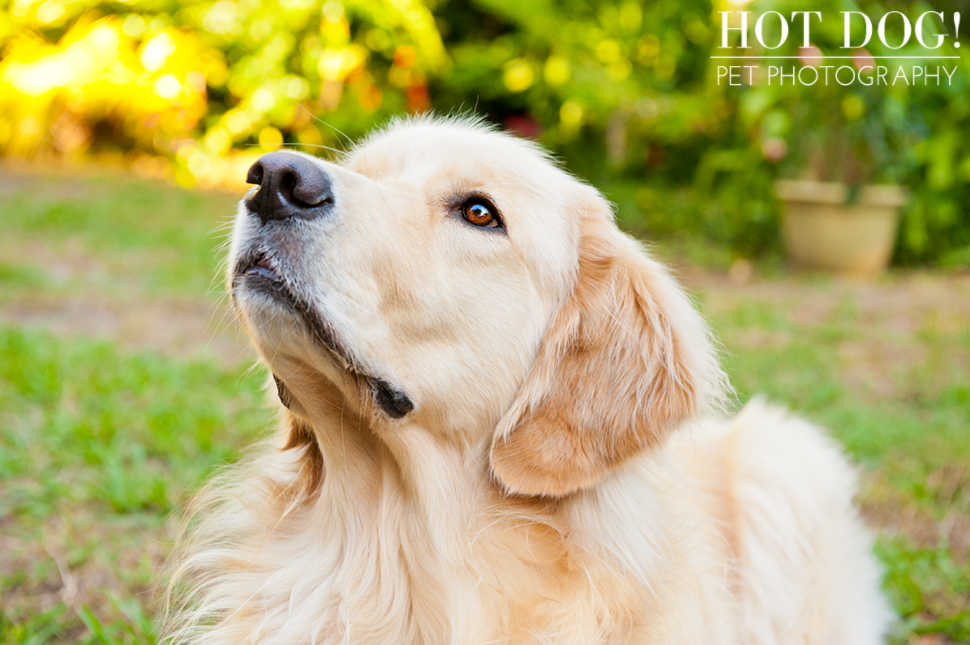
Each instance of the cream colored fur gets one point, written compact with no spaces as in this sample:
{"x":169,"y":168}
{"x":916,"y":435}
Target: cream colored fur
{"x":559,"y":479}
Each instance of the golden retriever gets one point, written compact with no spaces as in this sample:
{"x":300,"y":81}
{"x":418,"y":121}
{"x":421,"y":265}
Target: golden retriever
{"x":497,"y":427}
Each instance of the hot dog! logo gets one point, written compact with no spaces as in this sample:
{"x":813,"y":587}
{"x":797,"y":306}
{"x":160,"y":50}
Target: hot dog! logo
{"x":741,"y":35}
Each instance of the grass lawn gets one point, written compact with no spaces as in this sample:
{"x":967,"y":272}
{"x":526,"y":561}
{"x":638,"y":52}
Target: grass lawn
{"x":123,"y":385}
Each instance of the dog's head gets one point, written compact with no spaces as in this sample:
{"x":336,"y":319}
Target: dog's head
{"x":449,"y":277}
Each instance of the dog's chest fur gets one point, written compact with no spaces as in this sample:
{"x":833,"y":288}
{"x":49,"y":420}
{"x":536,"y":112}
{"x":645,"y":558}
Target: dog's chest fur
{"x":502,"y":571}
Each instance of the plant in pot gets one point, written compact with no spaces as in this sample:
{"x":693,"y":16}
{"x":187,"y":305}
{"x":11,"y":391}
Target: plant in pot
{"x":840,"y":201}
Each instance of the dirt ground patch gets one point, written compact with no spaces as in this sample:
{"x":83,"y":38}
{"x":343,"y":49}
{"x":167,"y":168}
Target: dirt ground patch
{"x":899,"y":324}
{"x":903,"y":302}
{"x":181,"y":327}
{"x":27,"y":180}
{"x":89,"y":295}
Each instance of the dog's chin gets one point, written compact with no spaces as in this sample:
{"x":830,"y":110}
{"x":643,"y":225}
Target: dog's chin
{"x":292,"y":336}
{"x":283,"y":326}
{"x":301,"y":367}
{"x":280,"y":317}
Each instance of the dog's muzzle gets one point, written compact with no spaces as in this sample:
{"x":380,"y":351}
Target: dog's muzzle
{"x":289,"y":186}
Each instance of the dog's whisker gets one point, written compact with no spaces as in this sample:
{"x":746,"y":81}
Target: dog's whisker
{"x":317,"y":118}
{"x":299,"y":145}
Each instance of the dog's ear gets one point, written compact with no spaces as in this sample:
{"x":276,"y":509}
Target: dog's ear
{"x":624,"y":360}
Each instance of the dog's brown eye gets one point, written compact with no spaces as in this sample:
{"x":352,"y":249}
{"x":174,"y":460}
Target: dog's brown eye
{"x":480,"y":213}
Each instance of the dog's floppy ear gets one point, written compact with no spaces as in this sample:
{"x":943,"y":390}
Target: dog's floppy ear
{"x":624,"y":360}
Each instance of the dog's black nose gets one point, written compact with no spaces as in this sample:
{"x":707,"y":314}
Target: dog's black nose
{"x":290,"y":185}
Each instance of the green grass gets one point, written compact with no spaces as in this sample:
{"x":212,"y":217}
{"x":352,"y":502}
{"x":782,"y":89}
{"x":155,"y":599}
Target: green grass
{"x":100,"y":444}
{"x":98,"y":448}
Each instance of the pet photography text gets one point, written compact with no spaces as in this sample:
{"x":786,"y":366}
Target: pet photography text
{"x":894,"y":31}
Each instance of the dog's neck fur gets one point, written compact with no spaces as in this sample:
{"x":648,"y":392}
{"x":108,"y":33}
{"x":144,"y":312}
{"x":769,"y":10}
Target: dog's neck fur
{"x":397,"y":537}
{"x":404,"y":506}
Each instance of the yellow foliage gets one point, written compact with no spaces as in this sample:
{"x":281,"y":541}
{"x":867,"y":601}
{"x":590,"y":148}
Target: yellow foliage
{"x":518,"y":75}
{"x":149,"y":79}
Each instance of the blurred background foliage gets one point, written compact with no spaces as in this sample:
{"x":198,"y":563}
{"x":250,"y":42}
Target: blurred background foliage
{"x":625,"y":92}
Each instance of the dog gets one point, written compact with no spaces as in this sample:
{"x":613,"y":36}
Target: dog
{"x":501,"y":422}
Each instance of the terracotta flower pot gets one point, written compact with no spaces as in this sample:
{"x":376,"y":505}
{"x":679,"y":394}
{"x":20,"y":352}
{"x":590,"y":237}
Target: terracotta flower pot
{"x":822,"y":231}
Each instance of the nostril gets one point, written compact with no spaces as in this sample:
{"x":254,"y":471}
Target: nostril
{"x":309,"y":193}
{"x":299,"y":192}
{"x":255,"y":174}
{"x":302,"y":190}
